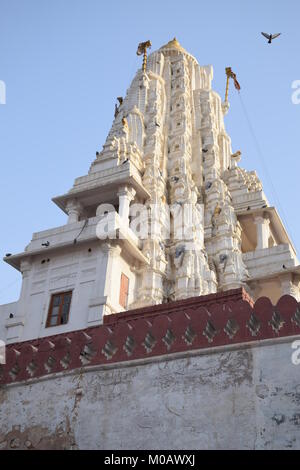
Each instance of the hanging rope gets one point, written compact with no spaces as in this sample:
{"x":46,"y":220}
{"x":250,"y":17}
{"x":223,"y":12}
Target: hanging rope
{"x":265,"y":168}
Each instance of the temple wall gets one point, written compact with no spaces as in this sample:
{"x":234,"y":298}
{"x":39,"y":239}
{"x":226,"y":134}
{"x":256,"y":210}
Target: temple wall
{"x":224,"y":398}
{"x":56,"y":272}
{"x":94,"y":282}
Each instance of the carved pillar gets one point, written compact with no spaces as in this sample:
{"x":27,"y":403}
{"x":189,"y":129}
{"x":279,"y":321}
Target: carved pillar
{"x":74,"y":210}
{"x":288,"y":286}
{"x":126,"y":195}
{"x":262,"y":232}
{"x":112,"y":280}
{"x":26,"y":270}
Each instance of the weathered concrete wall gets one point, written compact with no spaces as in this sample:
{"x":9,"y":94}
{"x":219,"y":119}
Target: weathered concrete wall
{"x":231,"y":399}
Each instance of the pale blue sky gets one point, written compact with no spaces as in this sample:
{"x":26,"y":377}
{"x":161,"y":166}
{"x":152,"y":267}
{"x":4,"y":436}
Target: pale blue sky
{"x":65,"y":61}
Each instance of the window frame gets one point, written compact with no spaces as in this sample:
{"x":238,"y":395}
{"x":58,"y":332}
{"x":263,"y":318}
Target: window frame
{"x":60,"y":312}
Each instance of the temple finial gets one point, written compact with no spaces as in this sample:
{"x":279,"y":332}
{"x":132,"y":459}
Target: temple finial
{"x":142,"y":49}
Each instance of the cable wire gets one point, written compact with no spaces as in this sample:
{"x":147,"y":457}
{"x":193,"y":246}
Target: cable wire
{"x":82,"y":229}
{"x":265,"y":168}
{"x":10,"y":284}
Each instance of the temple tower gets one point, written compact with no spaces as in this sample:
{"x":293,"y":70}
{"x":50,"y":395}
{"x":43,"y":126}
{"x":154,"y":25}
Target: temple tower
{"x":164,"y":213}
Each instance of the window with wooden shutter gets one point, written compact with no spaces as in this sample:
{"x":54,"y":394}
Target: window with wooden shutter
{"x":124,"y":288}
{"x":59,"y":309}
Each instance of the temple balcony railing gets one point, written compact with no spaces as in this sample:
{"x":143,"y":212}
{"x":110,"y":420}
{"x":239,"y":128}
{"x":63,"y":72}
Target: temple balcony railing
{"x":269,"y":260}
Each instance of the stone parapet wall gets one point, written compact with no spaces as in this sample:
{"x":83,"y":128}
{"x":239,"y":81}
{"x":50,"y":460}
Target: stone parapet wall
{"x":221,"y":398}
{"x":200,"y":323}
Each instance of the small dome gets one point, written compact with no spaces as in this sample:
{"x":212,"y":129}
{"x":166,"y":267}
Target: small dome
{"x":174,"y":44}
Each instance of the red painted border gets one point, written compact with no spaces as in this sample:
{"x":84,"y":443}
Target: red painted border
{"x":205,"y":300}
{"x":196,"y":323}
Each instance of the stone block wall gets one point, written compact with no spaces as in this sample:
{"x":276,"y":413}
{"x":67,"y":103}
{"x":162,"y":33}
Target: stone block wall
{"x":111,"y":388}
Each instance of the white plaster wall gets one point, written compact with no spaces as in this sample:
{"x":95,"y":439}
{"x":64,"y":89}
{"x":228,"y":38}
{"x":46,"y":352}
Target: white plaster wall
{"x":270,"y":288}
{"x":235,"y":399}
{"x":5,"y":311}
{"x":75,"y":269}
{"x":92,"y":283}
{"x":64,"y":234}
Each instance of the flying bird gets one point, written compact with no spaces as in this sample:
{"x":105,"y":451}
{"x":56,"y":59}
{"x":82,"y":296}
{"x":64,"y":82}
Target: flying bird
{"x":270,"y":37}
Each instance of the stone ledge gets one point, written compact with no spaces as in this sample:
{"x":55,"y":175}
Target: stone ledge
{"x":205,"y":300}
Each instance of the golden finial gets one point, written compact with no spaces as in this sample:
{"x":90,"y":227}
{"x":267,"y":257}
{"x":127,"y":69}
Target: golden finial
{"x":142,"y":49}
{"x":173,"y":44}
{"x":230,"y":74}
